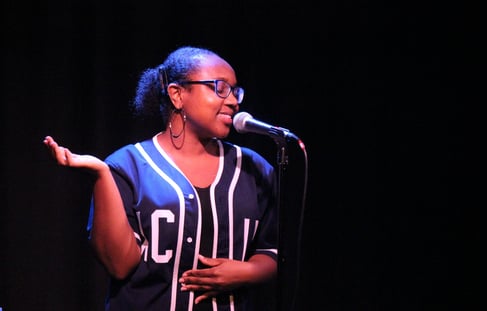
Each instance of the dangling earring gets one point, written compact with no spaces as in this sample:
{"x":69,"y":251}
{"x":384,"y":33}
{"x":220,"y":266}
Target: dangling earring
{"x":181,"y":113}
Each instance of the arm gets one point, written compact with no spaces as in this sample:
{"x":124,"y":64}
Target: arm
{"x":112,"y":237}
{"x":225,"y":275}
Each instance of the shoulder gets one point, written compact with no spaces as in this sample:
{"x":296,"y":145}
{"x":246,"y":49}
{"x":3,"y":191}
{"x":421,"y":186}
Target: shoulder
{"x":126,"y":154}
{"x":245,"y":151}
{"x":249,"y":156}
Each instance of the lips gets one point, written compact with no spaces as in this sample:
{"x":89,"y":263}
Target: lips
{"x":226,"y":118}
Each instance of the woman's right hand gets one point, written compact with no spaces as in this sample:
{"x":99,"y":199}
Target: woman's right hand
{"x":112,"y":237}
{"x":65,"y":157}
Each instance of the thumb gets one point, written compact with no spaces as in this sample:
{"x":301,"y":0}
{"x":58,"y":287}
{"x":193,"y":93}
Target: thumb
{"x":208,"y":261}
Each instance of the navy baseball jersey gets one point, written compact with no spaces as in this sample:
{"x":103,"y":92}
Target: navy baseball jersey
{"x":165,"y":212}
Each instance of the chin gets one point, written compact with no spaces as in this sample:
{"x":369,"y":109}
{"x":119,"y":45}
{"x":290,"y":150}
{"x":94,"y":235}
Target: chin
{"x":222,"y":134}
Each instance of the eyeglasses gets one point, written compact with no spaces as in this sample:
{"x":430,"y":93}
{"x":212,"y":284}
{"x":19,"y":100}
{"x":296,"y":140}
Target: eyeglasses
{"x":222,"y":88}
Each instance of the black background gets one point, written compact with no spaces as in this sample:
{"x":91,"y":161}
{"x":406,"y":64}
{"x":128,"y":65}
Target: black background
{"x":380,"y":92}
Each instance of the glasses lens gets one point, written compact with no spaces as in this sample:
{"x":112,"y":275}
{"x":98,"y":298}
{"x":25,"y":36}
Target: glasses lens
{"x":222,"y":88}
{"x":239,"y":94}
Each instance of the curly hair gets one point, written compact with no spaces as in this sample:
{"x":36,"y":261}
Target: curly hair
{"x":151,"y":93}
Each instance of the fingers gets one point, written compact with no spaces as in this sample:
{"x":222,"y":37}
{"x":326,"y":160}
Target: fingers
{"x":194,"y":282}
{"x":65,"y":157}
{"x":205,"y":260}
{"x":49,"y":141}
{"x":205,"y":296}
{"x":195,"y":287}
{"x":211,"y":262}
{"x":61,"y":155}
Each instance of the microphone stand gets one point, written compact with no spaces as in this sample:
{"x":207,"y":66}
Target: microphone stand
{"x":282,"y":161}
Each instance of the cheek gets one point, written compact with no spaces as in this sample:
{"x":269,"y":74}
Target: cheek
{"x":201,"y":95}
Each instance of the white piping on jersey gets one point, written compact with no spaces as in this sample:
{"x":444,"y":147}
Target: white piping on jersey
{"x":212,"y":198}
{"x":233,"y":184}
{"x":272,"y":250}
{"x":174,"y":282}
{"x":231,"y":191}
{"x":246,"y":234}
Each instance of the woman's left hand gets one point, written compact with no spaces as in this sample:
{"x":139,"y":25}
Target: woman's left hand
{"x":223,"y":275}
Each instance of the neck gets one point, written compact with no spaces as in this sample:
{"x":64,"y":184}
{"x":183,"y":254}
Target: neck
{"x":187,"y":145}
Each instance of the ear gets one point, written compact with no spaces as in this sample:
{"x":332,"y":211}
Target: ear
{"x":174,"y":93}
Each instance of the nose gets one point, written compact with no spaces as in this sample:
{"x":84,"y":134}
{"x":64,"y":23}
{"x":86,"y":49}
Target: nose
{"x":232,"y":101}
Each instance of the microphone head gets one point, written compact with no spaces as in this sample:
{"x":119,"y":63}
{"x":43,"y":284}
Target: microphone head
{"x":239,"y":121}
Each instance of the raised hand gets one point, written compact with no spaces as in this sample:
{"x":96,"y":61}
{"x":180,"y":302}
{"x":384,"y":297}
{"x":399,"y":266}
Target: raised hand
{"x":65,"y":157}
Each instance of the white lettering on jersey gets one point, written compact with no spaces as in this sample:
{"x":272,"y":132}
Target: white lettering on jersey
{"x":145,"y":244}
{"x":155,"y":217}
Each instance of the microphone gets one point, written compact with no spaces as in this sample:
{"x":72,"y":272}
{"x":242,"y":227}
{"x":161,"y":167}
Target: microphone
{"x":243,"y":122}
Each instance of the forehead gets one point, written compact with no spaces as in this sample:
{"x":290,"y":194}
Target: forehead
{"x":214,"y":67}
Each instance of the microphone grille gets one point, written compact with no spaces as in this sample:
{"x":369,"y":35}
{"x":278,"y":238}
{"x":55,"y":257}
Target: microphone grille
{"x":239,"y":121}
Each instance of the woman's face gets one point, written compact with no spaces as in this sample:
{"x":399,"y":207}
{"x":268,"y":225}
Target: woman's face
{"x":207,"y":114}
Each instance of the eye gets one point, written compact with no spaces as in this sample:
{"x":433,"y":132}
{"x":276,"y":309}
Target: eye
{"x":221,"y":87}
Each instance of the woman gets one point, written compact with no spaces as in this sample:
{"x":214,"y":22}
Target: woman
{"x":184,"y":220}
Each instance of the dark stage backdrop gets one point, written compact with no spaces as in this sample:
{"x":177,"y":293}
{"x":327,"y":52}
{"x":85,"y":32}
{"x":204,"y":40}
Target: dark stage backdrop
{"x":379,"y":92}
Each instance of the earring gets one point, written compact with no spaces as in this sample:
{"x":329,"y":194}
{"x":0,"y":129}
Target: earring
{"x":183,"y":116}
{"x":181,"y":113}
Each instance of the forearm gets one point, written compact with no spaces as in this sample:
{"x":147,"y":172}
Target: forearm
{"x":112,"y":237}
{"x":264,"y":268}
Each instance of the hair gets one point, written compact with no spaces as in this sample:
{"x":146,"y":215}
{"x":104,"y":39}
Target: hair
{"x":151,"y":98}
